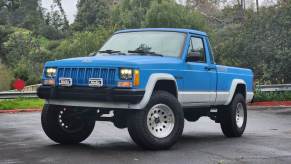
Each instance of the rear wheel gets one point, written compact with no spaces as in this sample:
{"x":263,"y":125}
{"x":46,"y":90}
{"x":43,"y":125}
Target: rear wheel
{"x":160,"y":124}
{"x":234,"y":118}
{"x":66,"y":125}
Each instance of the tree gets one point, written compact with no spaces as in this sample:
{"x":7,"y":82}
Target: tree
{"x":56,"y":26}
{"x":4,"y":35}
{"x":6,"y":8}
{"x":167,"y":13}
{"x":28,"y":15}
{"x":257,"y":5}
{"x":25,"y":55}
{"x":262,"y":43}
{"x":91,"y":14}
{"x":82,"y":43}
{"x":130,"y":13}
{"x":66,"y":22}
{"x":11,"y":5}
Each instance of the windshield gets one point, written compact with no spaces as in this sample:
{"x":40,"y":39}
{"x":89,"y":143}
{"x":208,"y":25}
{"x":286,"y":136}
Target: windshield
{"x":153,"y":42}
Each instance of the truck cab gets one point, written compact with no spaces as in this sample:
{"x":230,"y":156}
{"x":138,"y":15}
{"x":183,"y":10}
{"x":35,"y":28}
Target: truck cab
{"x":150,"y":80}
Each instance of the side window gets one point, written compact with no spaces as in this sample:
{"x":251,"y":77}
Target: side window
{"x":211,"y":55}
{"x":196,"y":51}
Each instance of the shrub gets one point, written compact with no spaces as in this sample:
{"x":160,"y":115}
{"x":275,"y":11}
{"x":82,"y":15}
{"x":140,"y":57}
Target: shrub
{"x":6,"y":78}
{"x":272,"y":96}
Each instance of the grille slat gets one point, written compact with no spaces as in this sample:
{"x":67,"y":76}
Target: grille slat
{"x":81,"y":76}
{"x":64,"y":71}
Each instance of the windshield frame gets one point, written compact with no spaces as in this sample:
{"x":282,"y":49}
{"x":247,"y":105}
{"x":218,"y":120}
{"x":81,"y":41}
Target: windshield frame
{"x":143,"y":31}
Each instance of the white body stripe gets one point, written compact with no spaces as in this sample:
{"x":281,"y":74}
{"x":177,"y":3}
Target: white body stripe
{"x":221,"y":98}
{"x":202,"y":98}
{"x":212,"y":98}
{"x":195,"y":97}
{"x":250,"y":96}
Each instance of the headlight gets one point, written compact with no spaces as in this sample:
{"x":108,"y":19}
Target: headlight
{"x":125,"y":74}
{"x":50,"y":72}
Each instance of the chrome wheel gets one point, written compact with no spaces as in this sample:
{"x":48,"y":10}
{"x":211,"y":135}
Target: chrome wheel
{"x":160,"y":120}
{"x":239,"y":115}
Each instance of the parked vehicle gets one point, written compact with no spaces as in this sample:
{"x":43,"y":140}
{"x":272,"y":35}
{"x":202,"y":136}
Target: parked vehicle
{"x":149,"y":80}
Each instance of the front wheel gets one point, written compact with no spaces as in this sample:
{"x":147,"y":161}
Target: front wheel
{"x":66,"y":125}
{"x":160,"y":124}
{"x":234,"y":118}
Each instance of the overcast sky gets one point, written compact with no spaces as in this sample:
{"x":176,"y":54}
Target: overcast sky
{"x":71,"y":9}
{"x":68,"y":5}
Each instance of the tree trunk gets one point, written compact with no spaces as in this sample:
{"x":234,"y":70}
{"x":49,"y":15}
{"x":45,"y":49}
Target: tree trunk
{"x":257,"y":4}
{"x":59,"y":3}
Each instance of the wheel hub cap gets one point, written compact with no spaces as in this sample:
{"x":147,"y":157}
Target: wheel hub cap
{"x":61,"y":117}
{"x":67,"y":123}
{"x":160,"y":120}
{"x":239,"y":115}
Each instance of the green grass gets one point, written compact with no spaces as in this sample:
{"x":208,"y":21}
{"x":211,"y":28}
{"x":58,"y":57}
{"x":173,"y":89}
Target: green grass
{"x":21,"y":103}
{"x":272,"y":96}
{"x":35,"y":103}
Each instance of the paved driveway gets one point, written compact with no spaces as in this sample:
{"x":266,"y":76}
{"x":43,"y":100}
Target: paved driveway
{"x":267,"y":140}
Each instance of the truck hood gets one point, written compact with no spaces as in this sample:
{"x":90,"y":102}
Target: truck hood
{"x":114,"y":61}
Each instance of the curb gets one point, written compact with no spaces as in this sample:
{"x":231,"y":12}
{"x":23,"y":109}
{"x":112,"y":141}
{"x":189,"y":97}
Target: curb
{"x":20,"y":111}
{"x":271,"y":104}
{"x":250,"y":107}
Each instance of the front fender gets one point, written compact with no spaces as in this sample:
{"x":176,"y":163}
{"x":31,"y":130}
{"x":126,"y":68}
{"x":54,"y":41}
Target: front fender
{"x":153,"y":79}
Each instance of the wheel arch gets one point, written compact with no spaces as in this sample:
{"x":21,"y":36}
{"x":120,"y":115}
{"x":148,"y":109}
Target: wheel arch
{"x":155,"y":81}
{"x":241,"y":88}
{"x":237,"y":86}
{"x":167,"y":85}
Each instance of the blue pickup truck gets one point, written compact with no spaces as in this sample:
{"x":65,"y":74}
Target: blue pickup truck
{"x":146,"y":80}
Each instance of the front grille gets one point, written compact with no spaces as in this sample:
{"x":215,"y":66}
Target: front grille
{"x":80,"y":76}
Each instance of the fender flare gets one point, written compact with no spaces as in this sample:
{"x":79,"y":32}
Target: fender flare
{"x":234,"y":84}
{"x":153,"y":79}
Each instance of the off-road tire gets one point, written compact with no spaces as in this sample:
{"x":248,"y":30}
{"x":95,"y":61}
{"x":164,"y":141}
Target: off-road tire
{"x":52,"y":128}
{"x":228,"y":118}
{"x":138,"y":127}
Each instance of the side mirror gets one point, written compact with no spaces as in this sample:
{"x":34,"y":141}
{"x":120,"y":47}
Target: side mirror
{"x":194,"y":56}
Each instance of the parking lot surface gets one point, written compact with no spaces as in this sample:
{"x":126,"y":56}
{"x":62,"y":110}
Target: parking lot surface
{"x":267,"y":140}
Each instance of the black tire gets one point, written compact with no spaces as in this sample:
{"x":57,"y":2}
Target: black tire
{"x":138,"y":128}
{"x":120,"y":119}
{"x":80,"y":128}
{"x":228,"y":122}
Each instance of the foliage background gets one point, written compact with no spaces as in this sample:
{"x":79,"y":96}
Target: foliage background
{"x":241,"y":36}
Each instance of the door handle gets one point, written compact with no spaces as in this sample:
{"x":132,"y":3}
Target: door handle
{"x":209,"y":68}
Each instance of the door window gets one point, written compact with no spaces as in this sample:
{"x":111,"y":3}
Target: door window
{"x":196,"y":51}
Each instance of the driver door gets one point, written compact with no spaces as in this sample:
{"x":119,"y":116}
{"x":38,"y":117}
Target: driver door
{"x":200,"y":84}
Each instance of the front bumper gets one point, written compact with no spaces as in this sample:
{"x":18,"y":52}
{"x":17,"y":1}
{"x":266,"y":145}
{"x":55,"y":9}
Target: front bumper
{"x":90,"y":94}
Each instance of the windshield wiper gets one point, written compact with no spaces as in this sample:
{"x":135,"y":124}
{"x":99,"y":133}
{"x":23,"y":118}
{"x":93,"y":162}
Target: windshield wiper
{"x":145,"y":53}
{"x":112,"y":52}
{"x":109,"y":51}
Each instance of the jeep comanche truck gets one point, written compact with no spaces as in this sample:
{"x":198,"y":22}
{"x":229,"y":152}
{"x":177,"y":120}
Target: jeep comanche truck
{"x":146,"y":80}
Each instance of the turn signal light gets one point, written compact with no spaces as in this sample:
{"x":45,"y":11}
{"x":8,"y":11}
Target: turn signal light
{"x":125,"y":84}
{"x":136,"y":78}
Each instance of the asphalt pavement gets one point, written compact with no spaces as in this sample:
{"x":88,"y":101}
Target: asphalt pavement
{"x":267,"y":140}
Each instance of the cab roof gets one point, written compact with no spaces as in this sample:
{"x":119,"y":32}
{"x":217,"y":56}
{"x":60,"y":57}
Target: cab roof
{"x":164,"y":29}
